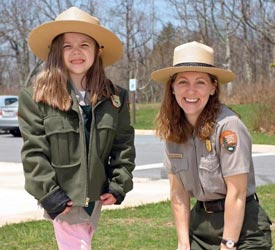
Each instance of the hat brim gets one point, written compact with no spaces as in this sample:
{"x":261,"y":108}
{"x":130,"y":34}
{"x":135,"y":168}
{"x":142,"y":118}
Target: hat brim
{"x":41,"y":38}
{"x":163,"y":75}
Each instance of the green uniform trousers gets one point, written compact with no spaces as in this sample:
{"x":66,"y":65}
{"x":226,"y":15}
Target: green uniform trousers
{"x":206,"y":229}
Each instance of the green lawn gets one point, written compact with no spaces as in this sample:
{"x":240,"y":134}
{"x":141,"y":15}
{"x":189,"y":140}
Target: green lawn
{"x":146,"y":227}
{"x":146,"y":114}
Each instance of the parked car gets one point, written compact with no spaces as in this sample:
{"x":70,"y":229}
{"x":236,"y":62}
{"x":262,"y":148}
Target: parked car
{"x":9,"y":114}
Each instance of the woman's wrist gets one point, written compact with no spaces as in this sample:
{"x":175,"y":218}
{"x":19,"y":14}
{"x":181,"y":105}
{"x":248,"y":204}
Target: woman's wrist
{"x":223,"y":247}
{"x":228,"y":244}
{"x":184,"y":246}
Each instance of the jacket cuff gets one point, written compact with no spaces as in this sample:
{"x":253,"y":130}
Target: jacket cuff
{"x":55,"y":203}
{"x":118,"y":196}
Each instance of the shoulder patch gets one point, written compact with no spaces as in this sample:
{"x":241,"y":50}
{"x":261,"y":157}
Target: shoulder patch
{"x":116,"y":101}
{"x":229,"y":140}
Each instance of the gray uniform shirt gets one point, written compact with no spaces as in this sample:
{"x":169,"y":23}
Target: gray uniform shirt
{"x":202,"y":165}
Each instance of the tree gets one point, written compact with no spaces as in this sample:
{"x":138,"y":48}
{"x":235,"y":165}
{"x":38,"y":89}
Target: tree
{"x":17,"y":18}
{"x":259,"y":17}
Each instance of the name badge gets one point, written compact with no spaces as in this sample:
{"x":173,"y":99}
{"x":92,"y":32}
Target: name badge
{"x":175,"y":156}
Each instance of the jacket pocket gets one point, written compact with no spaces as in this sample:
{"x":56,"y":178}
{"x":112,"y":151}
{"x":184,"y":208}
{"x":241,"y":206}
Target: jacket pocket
{"x":64,"y":139}
{"x":210,"y":174}
{"x":70,"y":179}
{"x":106,"y":125}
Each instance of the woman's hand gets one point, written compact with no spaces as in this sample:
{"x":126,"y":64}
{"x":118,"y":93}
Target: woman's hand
{"x":107,"y":199}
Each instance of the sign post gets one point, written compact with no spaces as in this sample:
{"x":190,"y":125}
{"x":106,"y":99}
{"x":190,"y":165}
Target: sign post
{"x":133,"y":88}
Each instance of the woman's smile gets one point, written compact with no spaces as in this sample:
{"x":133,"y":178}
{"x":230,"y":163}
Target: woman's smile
{"x":191,"y":100}
{"x":192,"y":91}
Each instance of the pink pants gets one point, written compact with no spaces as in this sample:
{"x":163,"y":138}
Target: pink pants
{"x":73,"y":237}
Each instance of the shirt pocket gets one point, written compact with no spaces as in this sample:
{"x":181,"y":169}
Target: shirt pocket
{"x":210,"y":175}
{"x":178,"y":165}
{"x":182,"y":170}
{"x":64,"y":140}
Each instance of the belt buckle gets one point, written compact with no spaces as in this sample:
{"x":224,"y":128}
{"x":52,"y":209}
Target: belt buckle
{"x":206,"y":210}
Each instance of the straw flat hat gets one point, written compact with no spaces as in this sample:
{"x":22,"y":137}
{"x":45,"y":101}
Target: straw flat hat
{"x":75,"y":20}
{"x":193,"y":56}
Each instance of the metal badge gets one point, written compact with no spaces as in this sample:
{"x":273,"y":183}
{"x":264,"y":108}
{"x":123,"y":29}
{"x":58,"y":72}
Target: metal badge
{"x":208,"y":145}
{"x":116,"y":101}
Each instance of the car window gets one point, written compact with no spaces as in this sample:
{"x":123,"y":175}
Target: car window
{"x":9,"y":101}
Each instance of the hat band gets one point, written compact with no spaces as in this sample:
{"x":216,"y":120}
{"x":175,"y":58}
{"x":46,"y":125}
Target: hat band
{"x":194,"y":64}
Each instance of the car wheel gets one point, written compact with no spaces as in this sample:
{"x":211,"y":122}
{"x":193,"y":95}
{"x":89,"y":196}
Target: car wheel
{"x":15,"y":132}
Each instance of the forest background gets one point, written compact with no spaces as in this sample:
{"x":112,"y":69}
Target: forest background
{"x":242,"y":33}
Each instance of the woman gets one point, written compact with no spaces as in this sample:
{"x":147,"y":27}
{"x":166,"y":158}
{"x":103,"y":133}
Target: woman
{"x":78,"y":151}
{"x":208,"y":157}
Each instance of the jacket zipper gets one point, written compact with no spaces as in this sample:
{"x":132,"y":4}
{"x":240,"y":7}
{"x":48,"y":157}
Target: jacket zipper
{"x":90,"y":143}
{"x":87,"y":199}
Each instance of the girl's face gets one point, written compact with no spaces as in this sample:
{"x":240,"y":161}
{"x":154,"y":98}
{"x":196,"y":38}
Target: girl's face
{"x":78,"y":54}
{"x":192,"y":91}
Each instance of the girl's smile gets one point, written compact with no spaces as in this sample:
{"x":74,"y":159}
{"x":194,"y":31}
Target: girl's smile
{"x":78,"y":54}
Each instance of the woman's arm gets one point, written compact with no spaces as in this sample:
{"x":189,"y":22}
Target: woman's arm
{"x":180,"y":203}
{"x":234,"y":207}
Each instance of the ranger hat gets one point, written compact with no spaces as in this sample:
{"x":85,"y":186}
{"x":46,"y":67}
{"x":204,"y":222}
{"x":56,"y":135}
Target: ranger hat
{"x":75,"y":20}
{"x":193,"y":56}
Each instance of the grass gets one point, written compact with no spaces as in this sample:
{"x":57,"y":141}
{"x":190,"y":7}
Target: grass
{"x":248,"y":113}
{"x":146,"y":113}
{"x":146,"y":227}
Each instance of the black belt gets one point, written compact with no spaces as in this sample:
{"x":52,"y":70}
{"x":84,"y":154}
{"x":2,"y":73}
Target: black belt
{"x":218,"y":205}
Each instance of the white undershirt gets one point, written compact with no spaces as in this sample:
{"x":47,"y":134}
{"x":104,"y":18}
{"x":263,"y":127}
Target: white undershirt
{"x":82,"y":93}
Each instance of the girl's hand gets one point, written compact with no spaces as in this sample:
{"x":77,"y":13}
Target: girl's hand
{"x":107,"y":199}
{"x":68,"y":208}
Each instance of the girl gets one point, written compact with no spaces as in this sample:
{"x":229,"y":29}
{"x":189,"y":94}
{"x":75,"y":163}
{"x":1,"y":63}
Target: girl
{"x":208,"y":157}
{"x":78,"y":151}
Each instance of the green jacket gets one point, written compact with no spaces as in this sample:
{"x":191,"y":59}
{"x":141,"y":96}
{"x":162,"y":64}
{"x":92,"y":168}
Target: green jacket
{"x":54,"y":151}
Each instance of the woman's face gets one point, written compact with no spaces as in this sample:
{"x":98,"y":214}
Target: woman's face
{"x":78,"y":54}
{"x":192,"y":91}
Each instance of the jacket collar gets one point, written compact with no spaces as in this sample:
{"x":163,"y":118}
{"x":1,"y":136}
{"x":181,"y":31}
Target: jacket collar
{"x":73,"y":96}
{"x":73,"y":93}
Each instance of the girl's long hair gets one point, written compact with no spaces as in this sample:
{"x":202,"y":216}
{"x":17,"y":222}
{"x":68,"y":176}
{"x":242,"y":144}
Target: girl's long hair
{"x":171,"y":122}
{"x":50,"y":86}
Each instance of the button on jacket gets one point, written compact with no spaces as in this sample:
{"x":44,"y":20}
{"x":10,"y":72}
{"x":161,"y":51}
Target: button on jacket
{"x":54,"y":152}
